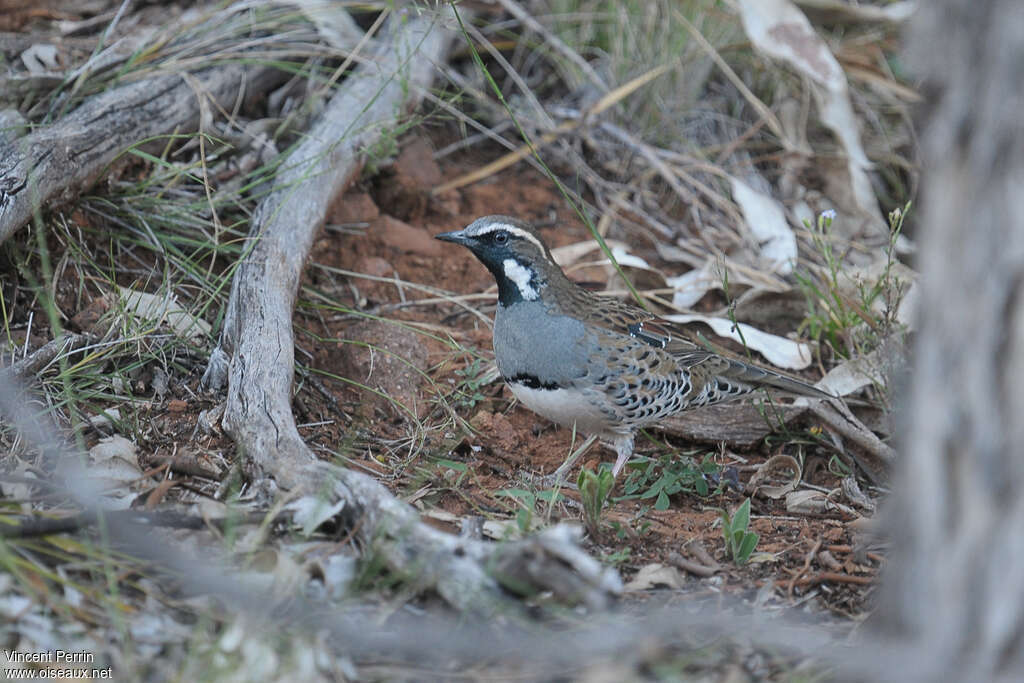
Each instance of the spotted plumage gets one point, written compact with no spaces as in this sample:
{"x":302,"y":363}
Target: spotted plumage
{"x":602,"y":365}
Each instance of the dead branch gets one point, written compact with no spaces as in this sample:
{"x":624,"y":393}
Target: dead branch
{"x":873,"y":455}
{"x":58,"y":161}
{"x":176,"y":519}
{"x":45,"y":355}
{"x":694,"y":568}
{"x":738,"y":425}
{"x":259,"y":342}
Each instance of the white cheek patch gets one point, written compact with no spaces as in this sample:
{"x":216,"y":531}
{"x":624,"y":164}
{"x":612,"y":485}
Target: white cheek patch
{"x":521,"y":276}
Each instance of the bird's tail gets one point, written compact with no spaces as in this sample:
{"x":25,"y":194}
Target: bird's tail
{"x":757,"y":376}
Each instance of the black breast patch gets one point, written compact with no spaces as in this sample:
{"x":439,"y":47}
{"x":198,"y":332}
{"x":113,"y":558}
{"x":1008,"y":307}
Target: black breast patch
{"x":530,"y":382}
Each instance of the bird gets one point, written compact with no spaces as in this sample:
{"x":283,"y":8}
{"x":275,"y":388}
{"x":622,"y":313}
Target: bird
{"x":601,"y":365}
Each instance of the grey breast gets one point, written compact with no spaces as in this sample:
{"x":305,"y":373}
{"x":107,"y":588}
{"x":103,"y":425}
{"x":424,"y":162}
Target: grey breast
{"x":529,"y":340}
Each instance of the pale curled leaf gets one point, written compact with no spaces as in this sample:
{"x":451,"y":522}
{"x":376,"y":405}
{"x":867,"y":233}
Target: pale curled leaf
{"x":115,"y":447}
{"x":766,"y":220}
{"x":113,"y":472}
{"x":758,"y":558}
{"x":712,"y":274}
{"x":41,"y":58}
{"x":18,"y":490}
{"x":337,"y":27}
{"x":805,"y":502}
{"x":779,"y":351}
{"x":853,"y":280}
{"x":690,"y":287}
{"x":845,"y":12}
{"x":113,"y":465}
{"x":850,"y":376}
{"x":163,"y":309}
{"x":773,"y":469}
{"x":104,"y":419}
{"x":626,"y":259}
{"x":653,"y":576}
{"x":569,"y":254}
{"x":868,"y":370}
{"x":309,"y":512}
{"x":780,"y":30}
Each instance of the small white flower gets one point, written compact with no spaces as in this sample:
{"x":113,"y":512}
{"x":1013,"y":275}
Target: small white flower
{"x":828,"y":214}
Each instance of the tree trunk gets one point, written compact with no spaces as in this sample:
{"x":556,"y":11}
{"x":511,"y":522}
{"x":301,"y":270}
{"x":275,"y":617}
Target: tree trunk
{"x":955,"y":590}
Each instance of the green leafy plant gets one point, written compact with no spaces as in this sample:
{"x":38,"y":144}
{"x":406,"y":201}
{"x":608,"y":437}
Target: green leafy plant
{"x":527,"y":503}
{"x":669,"y":475}
{"x":594,"y":489}
{"x":738,"y":541}
{"x":620,"y":556}
{"x":638,"y":526}
{"x":469,"y":391}
{"x":850,"y":315}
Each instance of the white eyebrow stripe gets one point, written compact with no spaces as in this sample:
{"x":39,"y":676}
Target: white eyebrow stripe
{"x":495,"y":227}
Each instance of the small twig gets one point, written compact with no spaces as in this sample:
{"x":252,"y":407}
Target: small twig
{"x":690,"y":566}
{"x":34,"y":528}
{"x":697,"y":549}
{"x":182,"y":465}
{"x":807,"y":565}
{"x":835,"y":577}
{"x":876,"y":458}
{"x":554,"y":41}
{"x":45,"y":354}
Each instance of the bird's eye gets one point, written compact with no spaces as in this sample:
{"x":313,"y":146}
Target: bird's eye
{"x":500,"y":237}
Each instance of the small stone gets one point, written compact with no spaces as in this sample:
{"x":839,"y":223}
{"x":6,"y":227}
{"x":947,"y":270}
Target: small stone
{"x":352,"y":208}
{"x":405,"y":189}
{"x":405,"y":237}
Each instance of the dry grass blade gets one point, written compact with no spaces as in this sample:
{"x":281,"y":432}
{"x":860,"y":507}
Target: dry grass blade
{"x":620,"y":93}
{"x":533,"y":147}
{"x":766,"y":114}
{"x":516,"y":10}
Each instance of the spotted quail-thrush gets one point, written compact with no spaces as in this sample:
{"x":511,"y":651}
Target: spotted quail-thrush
{"x":606,"y":366}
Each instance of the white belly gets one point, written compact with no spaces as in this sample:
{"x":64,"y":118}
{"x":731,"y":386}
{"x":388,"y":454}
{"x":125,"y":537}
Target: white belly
{"x":564,"y":406}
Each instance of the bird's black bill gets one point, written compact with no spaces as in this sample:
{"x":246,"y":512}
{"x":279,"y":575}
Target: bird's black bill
{"x":457,"y":237}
